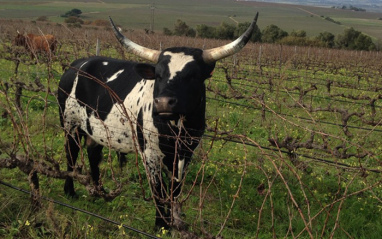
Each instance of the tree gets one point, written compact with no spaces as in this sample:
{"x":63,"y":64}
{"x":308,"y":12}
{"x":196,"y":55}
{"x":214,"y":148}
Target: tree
{"x":72,"y":13}
{"x":167,"y":31}
{"x":354,"y":40}
{"x":182,"y":29}
{"x":363,"y":42}
{"x":272,"y":34}
{"x":299,"y":33}
{"x":378,"y":45}
{"x":191,"y":32}
{"x":347,"y":39}
{"x":76,"y":11}
{"x":205,"y":31}
{"x":326,"y":38}
{"x":225,"y":31}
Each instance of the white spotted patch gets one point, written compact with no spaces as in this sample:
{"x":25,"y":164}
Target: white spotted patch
{"x":74,"y":114}
{"x":115,"y":76}
{"x":105,"y":63}
{"x":177,"y":62}
{"x":180,"y":169}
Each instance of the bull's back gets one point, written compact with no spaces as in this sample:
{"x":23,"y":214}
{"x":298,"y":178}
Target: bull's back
{"x":99,"y":81}
{"x":45,"y":43}
{"x":93,"y":74}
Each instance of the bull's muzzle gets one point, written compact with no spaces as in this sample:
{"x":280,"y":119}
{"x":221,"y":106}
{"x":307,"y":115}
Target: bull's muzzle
{"x":164,"y":106}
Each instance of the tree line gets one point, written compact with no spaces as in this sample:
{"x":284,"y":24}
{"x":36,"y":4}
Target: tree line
{"x":351,"y":38}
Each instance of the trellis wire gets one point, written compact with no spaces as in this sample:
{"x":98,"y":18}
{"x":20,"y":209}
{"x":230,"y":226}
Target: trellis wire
{"x":82,"y":210}
{"x":212,"y":137}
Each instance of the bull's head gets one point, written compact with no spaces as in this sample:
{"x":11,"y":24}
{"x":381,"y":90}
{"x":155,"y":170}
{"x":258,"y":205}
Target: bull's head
{"x":180,"y":72}
{"x":20,"y":40}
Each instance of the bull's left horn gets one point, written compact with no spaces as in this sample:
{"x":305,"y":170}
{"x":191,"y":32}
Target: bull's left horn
{"x":132,"y":47}
{"x":215,"y":54}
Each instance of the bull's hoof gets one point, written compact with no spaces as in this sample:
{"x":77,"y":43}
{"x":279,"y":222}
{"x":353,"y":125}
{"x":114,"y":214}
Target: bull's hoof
{"x":161,"y":225}
{"x":163,"y":231}
{"x":72,"y":195}
{"x":69,"y":190}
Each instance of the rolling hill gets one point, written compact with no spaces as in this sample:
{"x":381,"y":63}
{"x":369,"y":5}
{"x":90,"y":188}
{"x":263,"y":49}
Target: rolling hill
{"x":137,"y":14}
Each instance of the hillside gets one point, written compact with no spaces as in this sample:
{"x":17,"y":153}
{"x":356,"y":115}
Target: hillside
{"x":137,"y":14}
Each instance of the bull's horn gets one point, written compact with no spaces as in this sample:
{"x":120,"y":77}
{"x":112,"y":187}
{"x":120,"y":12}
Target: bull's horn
{"x":215,"y":54}
{"x":132,"y":47}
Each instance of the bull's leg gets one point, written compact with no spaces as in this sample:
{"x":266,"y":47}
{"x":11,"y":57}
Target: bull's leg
{"x":72,"y":147}
{"x":122,"y":159}
{"x":95,"y":157}
{"x":35,"y":189}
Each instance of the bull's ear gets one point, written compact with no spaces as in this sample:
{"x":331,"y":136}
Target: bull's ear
{"x":146,"y":71}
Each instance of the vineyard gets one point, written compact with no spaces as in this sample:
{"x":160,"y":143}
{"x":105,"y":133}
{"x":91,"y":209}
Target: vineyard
{"x":292,"y":147}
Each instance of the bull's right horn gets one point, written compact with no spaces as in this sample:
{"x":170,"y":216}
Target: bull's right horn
{"x":215,"y":54}
{"x":132,"y":47}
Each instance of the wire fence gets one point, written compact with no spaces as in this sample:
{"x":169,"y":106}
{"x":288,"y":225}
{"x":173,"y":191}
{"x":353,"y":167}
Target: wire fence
{"x":292,"y":143}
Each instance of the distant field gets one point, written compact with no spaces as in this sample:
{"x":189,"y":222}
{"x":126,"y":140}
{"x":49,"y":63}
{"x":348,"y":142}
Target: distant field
{"x":137,"y":14}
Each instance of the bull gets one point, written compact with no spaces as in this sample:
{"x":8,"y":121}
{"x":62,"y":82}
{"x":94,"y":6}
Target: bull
{"x":157,"y":110}
{"x":36,"y":44}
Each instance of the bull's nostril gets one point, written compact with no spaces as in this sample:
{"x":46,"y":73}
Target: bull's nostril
{"x":172,"y":101}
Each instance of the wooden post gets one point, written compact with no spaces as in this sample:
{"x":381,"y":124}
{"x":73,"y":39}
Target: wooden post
{"x":97,"y":47}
